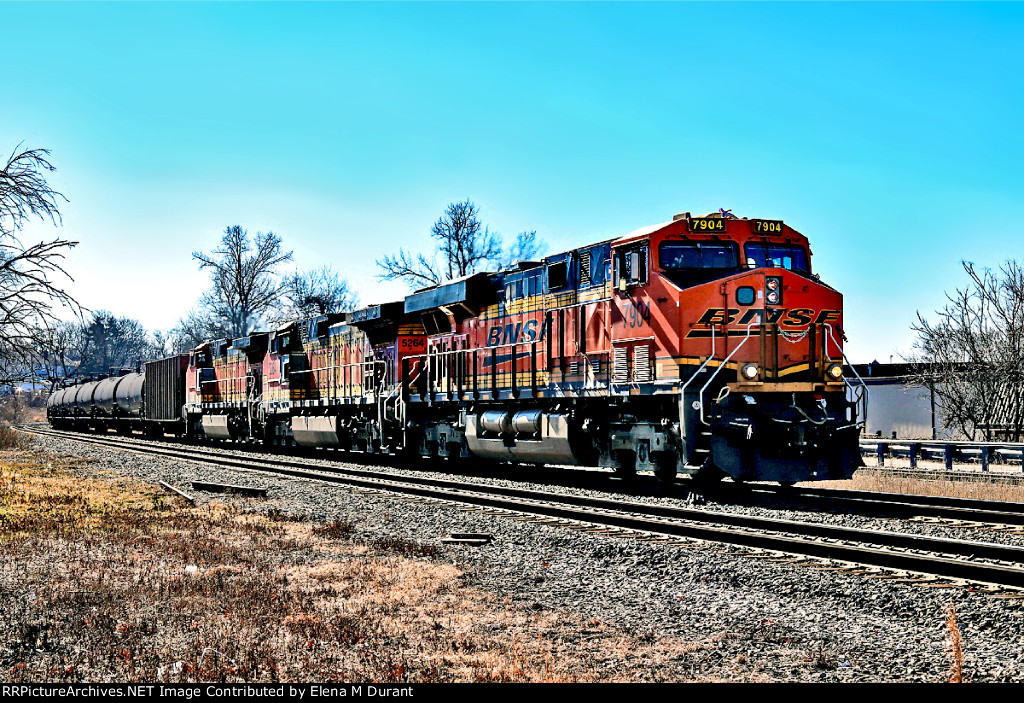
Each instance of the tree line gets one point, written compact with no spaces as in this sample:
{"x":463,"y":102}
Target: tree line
{"x":46,"y":336}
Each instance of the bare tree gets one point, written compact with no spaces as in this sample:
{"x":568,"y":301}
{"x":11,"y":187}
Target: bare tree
{"x":316,"y":292}
{"x":161,"y":344}
{"x":195,"y":328}
{"x":28,"y":272}
{"x":107,"y":343}
{"x":973,"y":356}
{"x":58,"y":354}
{"x":244,"y":281}
{"x":525,"y":248}
{"x":464,"y":246}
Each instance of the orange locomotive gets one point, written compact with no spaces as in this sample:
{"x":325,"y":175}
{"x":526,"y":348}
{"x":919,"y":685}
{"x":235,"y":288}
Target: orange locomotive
{"x":703,"y":345}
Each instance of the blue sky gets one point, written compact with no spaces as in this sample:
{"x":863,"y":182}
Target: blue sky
{"x":889,"y":134}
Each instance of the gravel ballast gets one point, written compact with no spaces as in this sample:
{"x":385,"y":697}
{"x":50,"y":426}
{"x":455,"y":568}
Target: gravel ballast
{"x":768,"y":620}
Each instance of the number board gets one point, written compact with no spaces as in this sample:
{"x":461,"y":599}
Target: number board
{"x":767,"y":226}
{"x":707,"y":224}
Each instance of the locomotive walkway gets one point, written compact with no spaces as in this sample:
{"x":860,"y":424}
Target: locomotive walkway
{"x":976,"y":562}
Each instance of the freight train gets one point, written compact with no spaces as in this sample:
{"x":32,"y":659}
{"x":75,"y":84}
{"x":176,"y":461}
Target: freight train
{"x":703,"y":345}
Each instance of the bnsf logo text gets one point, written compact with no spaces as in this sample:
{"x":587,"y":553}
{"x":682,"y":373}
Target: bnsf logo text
{"x":519,"y":333}
{"x":797,"y":317}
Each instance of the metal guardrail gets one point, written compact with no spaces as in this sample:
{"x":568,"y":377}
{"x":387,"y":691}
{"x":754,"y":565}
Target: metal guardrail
{"x":947,"y":451}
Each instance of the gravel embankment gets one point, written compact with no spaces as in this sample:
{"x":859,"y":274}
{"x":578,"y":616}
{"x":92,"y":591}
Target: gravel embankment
{"x":769,"y":620}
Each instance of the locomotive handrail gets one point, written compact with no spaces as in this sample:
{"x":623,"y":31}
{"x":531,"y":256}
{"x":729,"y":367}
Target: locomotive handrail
{"x":221,"y":380}
{"x":245,"y":378}
{"x":700,"y":396}
{"x":427,"y":369}
{"x":331,"y":384}
{"x":860,"y":397}
{"x":682,"y":391}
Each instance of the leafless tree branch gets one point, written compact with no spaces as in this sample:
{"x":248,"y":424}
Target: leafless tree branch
{"x":28,"y":273}
{"x":464,"y":246}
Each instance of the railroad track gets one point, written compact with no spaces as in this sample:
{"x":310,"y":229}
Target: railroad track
{"x":976,"y":562}
{"x":964,"y":510}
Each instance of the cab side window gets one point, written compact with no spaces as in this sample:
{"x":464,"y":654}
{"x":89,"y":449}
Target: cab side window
{"x":631,"y":267}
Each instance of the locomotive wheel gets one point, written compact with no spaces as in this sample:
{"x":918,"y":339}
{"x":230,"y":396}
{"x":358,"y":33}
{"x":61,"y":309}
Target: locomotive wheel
{"x":625,"y":463}
{"x":666,"y":463}
{"x":454,"y":450}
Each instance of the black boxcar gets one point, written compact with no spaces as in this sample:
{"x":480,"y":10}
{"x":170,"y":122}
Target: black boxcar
{"x":164,"y":393}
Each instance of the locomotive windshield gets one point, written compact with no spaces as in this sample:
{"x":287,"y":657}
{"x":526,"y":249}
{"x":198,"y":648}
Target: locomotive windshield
{"x":689,"y":263}
{"x":782,"y":256}
{"x":675,"y":256}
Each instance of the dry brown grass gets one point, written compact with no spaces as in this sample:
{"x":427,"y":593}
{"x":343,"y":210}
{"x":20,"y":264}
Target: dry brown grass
{"x":15,"y":409}
{"x":955,"y":648}
{"x":978,"y":489}
{"x":108,"y":580}
{"x":9,"y":439}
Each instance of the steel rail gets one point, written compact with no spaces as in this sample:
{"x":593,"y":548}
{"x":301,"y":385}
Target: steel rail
{"x":807,"y":539}
{"x":892,"y":504}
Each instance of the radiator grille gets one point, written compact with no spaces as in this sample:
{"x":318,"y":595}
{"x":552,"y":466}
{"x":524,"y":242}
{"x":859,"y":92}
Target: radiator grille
{"x":585,"y":279}
{"x":642,"y":363}
{"x":621,"y":372}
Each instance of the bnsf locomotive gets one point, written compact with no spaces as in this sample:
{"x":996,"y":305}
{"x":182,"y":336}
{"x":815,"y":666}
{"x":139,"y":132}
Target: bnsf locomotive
{"x":704,"y":345}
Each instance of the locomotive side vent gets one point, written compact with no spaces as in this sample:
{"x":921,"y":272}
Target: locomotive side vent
{"x":621,"y":373}
{"x":642,"y":363}
{"x":585,"y":279}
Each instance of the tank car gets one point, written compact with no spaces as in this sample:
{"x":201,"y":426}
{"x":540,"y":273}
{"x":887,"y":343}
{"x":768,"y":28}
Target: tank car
{"x":151,"y":401}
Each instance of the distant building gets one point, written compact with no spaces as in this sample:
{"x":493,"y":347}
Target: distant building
{"x":897,"y":408}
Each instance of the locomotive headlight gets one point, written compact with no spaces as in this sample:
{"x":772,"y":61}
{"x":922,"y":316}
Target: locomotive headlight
{"x":772,"y":284}
{"x":834,"y":372}
{"x":773,"y":290}
{"x":772,"y":297}
{"x":749,"y":371}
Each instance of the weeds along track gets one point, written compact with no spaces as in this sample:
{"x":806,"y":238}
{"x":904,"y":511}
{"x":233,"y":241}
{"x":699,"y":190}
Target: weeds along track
{"x":979,"y":562}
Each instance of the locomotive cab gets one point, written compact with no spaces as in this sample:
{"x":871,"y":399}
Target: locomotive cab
{"x":762,"y":394}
